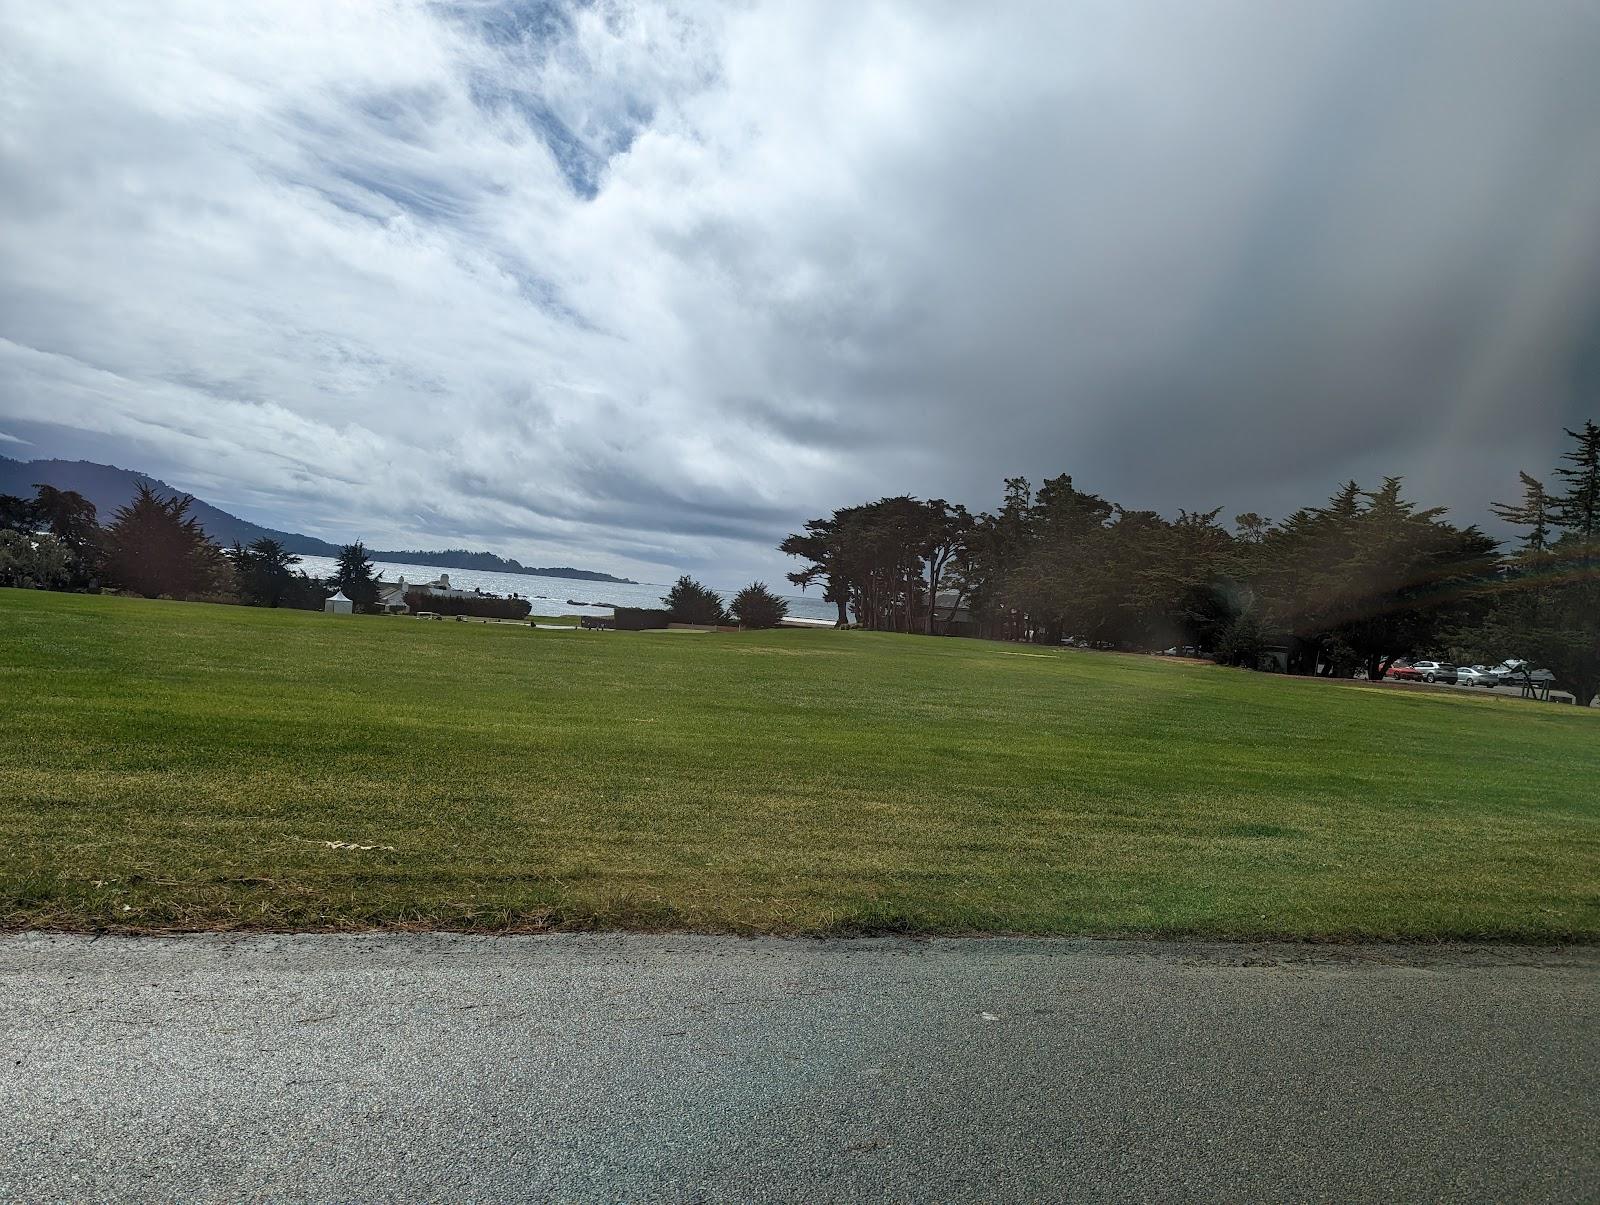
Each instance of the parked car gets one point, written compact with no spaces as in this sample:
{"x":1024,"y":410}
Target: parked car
{"x":1433,"y":671}
{"x":1515,"y":672}
{"x":1404,"y":671}
{"x":1475,"y":675}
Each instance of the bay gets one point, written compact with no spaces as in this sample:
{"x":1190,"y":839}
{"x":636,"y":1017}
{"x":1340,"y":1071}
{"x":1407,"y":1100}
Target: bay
{"x":550,"y":595}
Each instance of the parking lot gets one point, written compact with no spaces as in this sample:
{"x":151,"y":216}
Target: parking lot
{"x":1499,"y":692}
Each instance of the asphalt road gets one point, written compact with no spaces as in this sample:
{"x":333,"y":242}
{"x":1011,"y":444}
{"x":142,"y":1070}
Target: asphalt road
{"x":698,"y":1069}
{"x":1509,"y":692}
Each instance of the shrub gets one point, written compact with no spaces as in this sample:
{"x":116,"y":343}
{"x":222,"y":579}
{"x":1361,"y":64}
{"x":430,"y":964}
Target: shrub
{"x":1239,"y":642}
{"x":33,"y":561}
{"x":757,"y":607}
{"x":690,"y":602}
{"x":480,"y":606}
{"x":305,"y":593}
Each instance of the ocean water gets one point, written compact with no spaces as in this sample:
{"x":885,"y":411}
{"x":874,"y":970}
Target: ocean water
{"x":551,"y":595}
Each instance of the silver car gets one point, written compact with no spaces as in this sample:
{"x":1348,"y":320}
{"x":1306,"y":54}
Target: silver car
{"x":1433,"y":671}
{"x":1474,"y":675}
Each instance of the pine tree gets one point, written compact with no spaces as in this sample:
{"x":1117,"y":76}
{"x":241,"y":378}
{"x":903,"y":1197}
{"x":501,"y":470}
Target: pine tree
{"x":1577,"y":509}
{"x":1533,"y":513}
{"x":264,"y":570}
{"x":757,"y":607}
{"x":821,"y":546}
{"x":690,"y":602}
{"x":1550,"y":610}
{"x":354,"y":575}
{"x":155,"y":547}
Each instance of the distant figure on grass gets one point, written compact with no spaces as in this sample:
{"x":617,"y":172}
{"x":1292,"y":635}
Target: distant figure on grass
{"x":757,"y":607}
{"x":690,"y":602}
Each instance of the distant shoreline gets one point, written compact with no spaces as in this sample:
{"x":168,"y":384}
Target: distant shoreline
{"x":488,"y":562}
{"x":110,"y":487}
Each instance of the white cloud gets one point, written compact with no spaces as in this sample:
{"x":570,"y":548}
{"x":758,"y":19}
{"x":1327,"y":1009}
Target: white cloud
{"x":643,"y":287}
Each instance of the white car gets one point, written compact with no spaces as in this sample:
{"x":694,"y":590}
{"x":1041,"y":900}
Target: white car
{"x":1515,"y":672}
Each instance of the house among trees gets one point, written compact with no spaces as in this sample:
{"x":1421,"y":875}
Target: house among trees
{"x":952,"y":616}
{"x":392,"y":595}
{"x":439,"y":597}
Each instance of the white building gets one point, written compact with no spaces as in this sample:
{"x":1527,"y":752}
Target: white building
{"x":392,"y":595}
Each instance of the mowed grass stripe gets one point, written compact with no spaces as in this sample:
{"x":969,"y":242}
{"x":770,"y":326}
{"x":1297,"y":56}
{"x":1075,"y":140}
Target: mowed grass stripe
{"x":174,"y":765}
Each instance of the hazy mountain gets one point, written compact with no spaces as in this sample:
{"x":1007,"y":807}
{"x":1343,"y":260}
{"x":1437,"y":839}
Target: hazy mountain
{"x":109,"y":487}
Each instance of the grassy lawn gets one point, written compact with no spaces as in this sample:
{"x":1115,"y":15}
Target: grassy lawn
{"x":167,"y":765}
{"x":570,"y":621}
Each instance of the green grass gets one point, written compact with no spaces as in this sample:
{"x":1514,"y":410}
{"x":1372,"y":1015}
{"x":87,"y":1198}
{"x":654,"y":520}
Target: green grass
{"x":168,"y":765}
{"x":570,"y":621}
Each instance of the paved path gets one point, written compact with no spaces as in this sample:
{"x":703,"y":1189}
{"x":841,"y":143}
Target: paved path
{"x":688,"y":1068}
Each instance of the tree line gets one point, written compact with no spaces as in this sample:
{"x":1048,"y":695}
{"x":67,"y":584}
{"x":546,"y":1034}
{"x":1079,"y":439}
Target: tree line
{"x":1344,"y":587}
{"x":154,"y":547}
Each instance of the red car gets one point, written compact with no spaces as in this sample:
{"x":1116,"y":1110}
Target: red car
{"x":1406,"y":673}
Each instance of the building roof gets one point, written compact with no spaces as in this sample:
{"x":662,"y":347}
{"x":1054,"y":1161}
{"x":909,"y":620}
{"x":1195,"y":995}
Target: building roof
{"x":441,"y":583}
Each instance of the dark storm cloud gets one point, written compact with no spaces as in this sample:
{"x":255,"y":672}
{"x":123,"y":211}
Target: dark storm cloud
{"x":644,"y":288}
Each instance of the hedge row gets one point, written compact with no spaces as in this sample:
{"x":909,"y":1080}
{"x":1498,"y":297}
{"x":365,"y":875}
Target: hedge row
{"x":480,"y":606}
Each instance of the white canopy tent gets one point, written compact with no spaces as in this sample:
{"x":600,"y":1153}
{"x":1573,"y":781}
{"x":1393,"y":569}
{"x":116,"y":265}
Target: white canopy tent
{"x":338,"y":605}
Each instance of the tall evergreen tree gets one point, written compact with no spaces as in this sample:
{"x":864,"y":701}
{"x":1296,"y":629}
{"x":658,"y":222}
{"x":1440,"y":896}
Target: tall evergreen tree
{"x":1534,"y":513}
{"x":946,"y":527}
{"x":886,"y":561}
{"x":1549,"y":611}
{"x":155,"y":547}
{"x":820,"y":546}
{"x":1576,"y":509}
{"x":1412,"y":577}
{"x":265,"y":572}
{"x":355,"y":576}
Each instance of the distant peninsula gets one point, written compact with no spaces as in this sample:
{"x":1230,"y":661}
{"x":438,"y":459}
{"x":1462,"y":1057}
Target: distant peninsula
{"x":462,"y":558}
{"x":109,"y":487}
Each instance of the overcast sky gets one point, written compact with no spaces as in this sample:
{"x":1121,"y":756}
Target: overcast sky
{"x":642,"y":289}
